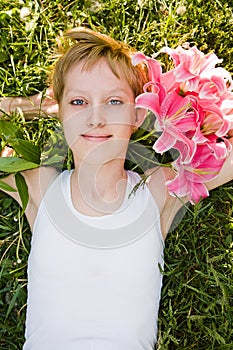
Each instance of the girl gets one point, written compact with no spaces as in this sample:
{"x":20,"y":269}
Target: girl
{"x":94,"y":271}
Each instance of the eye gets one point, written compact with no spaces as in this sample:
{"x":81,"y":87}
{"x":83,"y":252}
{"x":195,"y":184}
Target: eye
{"x":78,"y":102}
{"x":115,"y":102}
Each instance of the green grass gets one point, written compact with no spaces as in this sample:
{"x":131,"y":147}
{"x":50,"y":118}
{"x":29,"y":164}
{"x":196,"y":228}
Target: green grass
{"x":196,"y":307}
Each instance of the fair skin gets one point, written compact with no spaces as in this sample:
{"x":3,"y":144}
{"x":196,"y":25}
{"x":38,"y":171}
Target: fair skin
{"x":98,"y":123}
{"x":98,"y":118}
{"x":38,"y":104}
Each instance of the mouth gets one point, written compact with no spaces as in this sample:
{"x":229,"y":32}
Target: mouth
{"x":96,"y":138}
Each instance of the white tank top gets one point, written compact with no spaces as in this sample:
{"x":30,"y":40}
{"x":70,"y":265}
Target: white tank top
{"x":94,"y":282}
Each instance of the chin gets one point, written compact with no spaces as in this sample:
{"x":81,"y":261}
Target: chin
{"x":100,"y":153}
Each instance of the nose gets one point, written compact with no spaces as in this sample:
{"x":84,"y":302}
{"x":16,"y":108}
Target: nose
{"x":96,"y":117}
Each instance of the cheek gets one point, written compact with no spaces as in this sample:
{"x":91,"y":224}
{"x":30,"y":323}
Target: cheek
{"x":123,"y":132}
{"x":70,"y":136}
{"x":123,"y":114}
{"x":73,"y":128}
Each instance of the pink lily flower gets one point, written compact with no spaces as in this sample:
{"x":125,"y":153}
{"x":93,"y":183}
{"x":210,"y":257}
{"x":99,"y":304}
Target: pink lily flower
{"x":211,"y":122}
{"x":193,"y":106}
{"x":154,"y":67}
{"x":191,"y":177}
{"x":221,"y":73}
{"x":214,"y":124}
{"x":171,"y":111}
{"x":226,"y":106}
{"x":155,"y":71}
{"x":191,"y":63}
{"x":221,"y":148}
{"x":210,"y":90}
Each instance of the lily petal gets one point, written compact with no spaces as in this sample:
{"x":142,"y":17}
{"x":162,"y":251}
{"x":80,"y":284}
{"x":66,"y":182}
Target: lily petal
{"x":197,"y":192}
{"x":164,"y":142}
{"x":149,"y":100}
{"x":154,"y":67}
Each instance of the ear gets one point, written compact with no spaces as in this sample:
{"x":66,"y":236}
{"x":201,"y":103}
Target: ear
{"x":140,"y":114}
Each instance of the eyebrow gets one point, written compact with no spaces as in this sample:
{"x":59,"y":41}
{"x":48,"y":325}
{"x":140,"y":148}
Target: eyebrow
{"x":109,"y":92}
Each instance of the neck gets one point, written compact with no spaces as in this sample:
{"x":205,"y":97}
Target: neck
{"x":98,"y":189}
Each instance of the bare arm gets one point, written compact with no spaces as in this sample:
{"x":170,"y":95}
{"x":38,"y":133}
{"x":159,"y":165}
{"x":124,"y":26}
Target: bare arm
{"x":226,"y":173}
{"x":37,"y":181}
{"x":169,"y":205}
{"x":31,"y":106}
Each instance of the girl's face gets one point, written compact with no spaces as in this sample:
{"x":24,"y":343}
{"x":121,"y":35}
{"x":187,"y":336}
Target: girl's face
{"x":97,"y":112}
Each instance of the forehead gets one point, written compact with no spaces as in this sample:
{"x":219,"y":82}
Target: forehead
{"x":100,"y":75}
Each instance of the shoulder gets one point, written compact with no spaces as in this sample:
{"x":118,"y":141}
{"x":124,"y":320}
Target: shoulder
{"x":156,"y":181}
{"x":38,"y":181}
{"x":168,"y":205}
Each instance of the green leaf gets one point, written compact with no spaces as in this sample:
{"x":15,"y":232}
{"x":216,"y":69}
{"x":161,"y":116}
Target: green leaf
{"x":27,"y":150}
{"x":22,"y":190}
{"x":9,"y":130}
{"x":7,"y":188}
{"x":3,"y":56}
{"x":13,"y":300}
{"x":14,"y":165}
{"x":56,"y":159}
{"x":141,"y":155}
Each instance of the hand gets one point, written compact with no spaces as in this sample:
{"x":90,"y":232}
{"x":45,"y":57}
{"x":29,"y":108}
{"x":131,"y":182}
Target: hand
{"x":45,"y":102}
{"x":31,"y":106}
{"x":6,"y":152}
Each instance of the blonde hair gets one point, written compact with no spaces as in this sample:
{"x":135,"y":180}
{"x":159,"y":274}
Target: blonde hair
{"x":89,"y":47}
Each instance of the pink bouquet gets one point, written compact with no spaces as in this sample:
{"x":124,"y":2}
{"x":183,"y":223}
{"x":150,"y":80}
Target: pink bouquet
{"x":193,"y":106}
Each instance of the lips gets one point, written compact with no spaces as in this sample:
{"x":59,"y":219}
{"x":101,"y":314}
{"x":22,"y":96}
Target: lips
{"x":96,"y":138}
